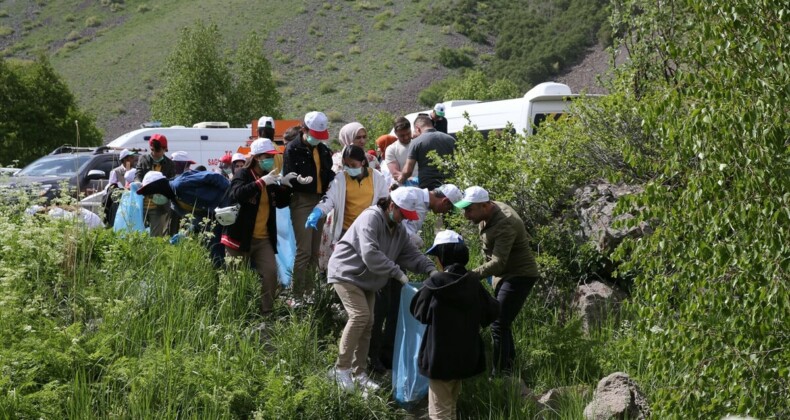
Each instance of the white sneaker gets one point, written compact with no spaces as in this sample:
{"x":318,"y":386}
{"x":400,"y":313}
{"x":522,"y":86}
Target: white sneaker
{"x":343,"y":379}
{"x":364,"y":381}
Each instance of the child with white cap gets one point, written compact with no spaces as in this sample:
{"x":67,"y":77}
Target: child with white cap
{"x":375,"y":249}
{"x":454,"y":306}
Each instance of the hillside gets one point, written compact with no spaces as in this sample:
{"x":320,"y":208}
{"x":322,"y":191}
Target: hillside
{"x":350,"y":59}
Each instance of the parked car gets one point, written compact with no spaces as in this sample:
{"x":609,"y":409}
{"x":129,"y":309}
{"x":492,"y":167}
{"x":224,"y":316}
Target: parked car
{"x":83,"y":171}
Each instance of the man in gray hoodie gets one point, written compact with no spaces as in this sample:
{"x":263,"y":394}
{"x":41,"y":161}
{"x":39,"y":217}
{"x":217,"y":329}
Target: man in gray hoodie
{"x":374,"y":249}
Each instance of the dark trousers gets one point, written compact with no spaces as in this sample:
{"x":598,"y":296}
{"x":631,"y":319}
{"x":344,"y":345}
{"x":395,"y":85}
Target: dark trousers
{"x":511,"y":292}
{"x":382,"y":340}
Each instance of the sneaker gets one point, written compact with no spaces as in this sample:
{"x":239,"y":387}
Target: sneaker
{"x":343,"y":379}
{"x":364,"y":381}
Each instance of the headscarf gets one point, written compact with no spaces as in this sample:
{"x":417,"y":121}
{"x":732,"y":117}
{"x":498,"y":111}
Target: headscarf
{"x":348,"y":132}
{"x":383,"y":142}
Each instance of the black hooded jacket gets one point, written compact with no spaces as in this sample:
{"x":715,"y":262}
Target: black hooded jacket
{"x":455,"y":306}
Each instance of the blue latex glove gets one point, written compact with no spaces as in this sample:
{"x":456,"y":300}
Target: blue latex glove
{"x":176,"y":238}
{"x":313,"y":218}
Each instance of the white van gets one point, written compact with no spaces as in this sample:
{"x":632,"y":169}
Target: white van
{"x":545,"y":100}
{"x":205,"y":143}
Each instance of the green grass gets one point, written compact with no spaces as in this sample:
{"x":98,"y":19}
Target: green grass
{"x":96,"y":324}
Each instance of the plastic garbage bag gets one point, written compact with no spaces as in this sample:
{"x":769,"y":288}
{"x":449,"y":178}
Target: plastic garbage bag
{"x":130,"y":211}
{"x":286,"y":246}
{"x":407,"y":382}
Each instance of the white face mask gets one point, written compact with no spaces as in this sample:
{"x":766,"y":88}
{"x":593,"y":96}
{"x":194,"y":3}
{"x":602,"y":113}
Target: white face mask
{"x":353,"y":171}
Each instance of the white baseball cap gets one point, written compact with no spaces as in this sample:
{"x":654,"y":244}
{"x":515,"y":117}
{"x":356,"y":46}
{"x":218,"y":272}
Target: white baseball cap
{"x":439,"y":109}
{"x":318,"y":125}
{"x":150,"y":178}
{"x":262,"y":121}
{"x":473,"y":195}
{"x":237,"y":156}
{"x":126,"y":153}
{"x":408,"y":199}
{"x":181,"y":156}
{"x":445,"y":237}
{"x":263,"y":146}
{"x":452,"y":192}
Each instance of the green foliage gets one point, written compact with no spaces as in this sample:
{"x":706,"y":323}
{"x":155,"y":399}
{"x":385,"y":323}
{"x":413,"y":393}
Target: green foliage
{"x":377,"y":124}
{"x":199,"y":86}
{"x":475,"y":85}
{"x":710,"y":82}
{"x":36,"y":103}
{"x":454,"y":58}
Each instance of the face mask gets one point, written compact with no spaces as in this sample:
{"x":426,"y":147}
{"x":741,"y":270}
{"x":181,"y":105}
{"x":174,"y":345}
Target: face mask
{"x":226,"y":171}
{"x":159,"y":199}
{"x":312,"y":141}
{"x":159,"y":160}
{"x":353,"y":171}
{"x":266,"y":164}
{"x":391,"y":214}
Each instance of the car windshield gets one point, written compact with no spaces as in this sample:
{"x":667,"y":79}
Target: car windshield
{"x":55,"y":165}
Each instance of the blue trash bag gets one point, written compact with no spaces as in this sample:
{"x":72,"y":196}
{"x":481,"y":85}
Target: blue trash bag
{"x":130,"y":212}
{"x":407,"y":382}
{"x":286,"y":246}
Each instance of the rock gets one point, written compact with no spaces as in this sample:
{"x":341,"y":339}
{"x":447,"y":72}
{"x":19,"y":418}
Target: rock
{"x":594,"y":207}
{"x":553,"y":399}
{"x":617,"y":396}
{"x":595,"y":302}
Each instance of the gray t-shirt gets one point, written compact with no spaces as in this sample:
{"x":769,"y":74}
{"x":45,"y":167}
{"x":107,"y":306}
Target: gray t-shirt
{"x":444,"y":145}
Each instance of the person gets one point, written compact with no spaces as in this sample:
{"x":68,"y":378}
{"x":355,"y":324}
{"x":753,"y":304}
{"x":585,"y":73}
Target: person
{"x":291,"y":134}
{"x":308,"y":157}
{"x":266,"y":127}
{"x":455,"y":306}
{"x":116,"y":185}
{"x":195,"y":193}
{"x":374,"y":249}
{"x":157,"y":207}
{"x":397,"y":153}
{"x":181,"y":161}
{"x":256,"y":188}
{"x":82,"y":216}
{"x":509,"y":259}
{"x":352,"y":134}
{"x":437,"y":117}
{"x":353,"y":190}
{"x":237,"y":161}
{"x":427,"y":140}
{"x":225,"y":166}
{"x":382,"y":143}
{"x":439,"y":201}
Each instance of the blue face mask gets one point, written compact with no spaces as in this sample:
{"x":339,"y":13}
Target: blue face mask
{"x":391,"y":214}
{"x":353,"y":172}
{"x":159,"y":160}
{"x":266,"y":164}
{"x":312,"y":141}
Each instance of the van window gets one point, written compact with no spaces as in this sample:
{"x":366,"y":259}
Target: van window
{"x":539,"y":118}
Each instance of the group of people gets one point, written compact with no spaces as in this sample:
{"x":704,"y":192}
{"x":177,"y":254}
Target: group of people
{"x":369,"y":208}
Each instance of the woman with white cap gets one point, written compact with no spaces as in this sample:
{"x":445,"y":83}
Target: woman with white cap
{"x":256,"y":188}
{"x":374,"y":249}
{"x":116,"y":185}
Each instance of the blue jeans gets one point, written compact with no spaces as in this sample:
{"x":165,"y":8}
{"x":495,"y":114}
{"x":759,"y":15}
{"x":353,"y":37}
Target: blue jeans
{"x":511,"y":292}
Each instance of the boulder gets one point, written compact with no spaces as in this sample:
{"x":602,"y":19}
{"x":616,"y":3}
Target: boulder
{"x":619,"y":397}
{"x":594,"y":207}
{"x":595,"y":302}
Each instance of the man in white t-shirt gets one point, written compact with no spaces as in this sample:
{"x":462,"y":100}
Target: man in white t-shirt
{"x":398,"y":152}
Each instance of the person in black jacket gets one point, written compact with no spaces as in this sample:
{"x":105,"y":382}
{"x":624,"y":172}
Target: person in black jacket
{"x":256,"y":188}
{"x":455,"y":306}
{"x":308,"y":157}
{"x":157,"y":207}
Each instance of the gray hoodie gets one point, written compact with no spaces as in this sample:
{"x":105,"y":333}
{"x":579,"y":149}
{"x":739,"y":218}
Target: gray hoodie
{"x":371,"y":252}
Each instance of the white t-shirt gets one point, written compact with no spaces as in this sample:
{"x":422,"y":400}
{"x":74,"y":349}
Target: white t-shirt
{"x":398,"y":152}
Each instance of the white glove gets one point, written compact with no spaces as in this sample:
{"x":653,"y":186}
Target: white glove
{"x":271,"y":178}
{"x":304,"y":179}
{"x":287,"y":178}
{"x":403,"y":279}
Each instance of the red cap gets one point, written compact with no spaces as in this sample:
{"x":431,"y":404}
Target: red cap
{"x":226,"y":159}
{"x":158,"y":138}
{"x":409,"y":214}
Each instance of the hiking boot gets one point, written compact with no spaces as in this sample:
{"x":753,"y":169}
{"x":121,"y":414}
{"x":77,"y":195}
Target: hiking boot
{"x":364,"y":381}
{"x":343,"y":379}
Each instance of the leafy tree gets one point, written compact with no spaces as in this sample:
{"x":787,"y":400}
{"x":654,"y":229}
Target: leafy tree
{"x":476,"y":85}
{"x":39,"y":113}
{"x":710,"y":82}
{"x":254,"y":90}
{"x":199,"y":85}
{"x":197,"y":82}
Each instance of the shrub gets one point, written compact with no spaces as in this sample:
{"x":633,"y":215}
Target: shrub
{"x":326,"y":88}
{"x":5,"y":30}
{"x":334,"y":116}
{"x":92,"y":21}
{"x":143,"y":8}
{"x":453,"y":58}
